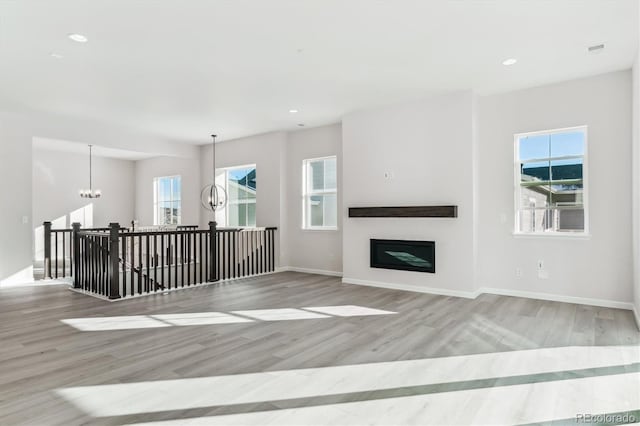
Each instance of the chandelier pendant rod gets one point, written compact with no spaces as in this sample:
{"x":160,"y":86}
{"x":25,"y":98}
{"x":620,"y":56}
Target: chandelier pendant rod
{"x":90,"y":170}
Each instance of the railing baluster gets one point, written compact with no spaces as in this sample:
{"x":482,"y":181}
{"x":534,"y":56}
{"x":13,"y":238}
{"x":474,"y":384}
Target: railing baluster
{"x":175,"y":260}
{"x":147,"y":275}
{"x":55,"y":236}
{"x":64,"y":244}
{"x":155,"y":261}
{"x":188,"y":238}
{"x":124,"y":265}
{"x":200,"y":258}
{"x":162,"y":260}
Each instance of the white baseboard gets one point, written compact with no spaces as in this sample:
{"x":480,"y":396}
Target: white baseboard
{"x":498,"y":291}
{"x":557,"y":298}
{"x":410,"y":287}
{"x":310,"y":271}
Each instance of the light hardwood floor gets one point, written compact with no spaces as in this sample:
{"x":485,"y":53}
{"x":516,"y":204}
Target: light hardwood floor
{"x":427,"y":360}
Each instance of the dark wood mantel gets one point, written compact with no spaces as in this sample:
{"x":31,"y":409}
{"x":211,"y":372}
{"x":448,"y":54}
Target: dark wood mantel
{"x":408,"y":211}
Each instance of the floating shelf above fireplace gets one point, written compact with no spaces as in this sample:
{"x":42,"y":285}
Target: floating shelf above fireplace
{"x":408,"y":211}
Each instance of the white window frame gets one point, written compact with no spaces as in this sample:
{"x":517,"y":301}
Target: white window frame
{"x":585,"y":233}
{"x":225,"y":213}
{"x":156,"y":201}
{"x":307,"y":193}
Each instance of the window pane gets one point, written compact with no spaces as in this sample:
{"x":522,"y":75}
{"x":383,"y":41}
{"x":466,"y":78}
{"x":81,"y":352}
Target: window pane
{"x":330,"y":173}
{"x":317,"y":175}
{"x":241,"y":188}
{"x":164,"y":193}
{"x":176,"y":188}
{"x":175,"y":213}
{"x":563,"y":144}
{"x":330,"y":210}
{"x":532,"y":147}
{"x":164,"y":213}
{"x":571,"y":220}
{"x":316,"y":210}
{"x":566,"y":169}
{"x":531,"y":172}
{"x":251,"y":214}
{"x":546,"y":220}
{"x":535,"y":196}
{"x":242,"y":215}
{"x":538,"y":220}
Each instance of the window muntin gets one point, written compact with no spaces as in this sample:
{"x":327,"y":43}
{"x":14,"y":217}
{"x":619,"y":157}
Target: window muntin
{"x":551,"y":182}
{"x":320,"y":193}
{"x":167,"y":200}
{"x":240,"y":184}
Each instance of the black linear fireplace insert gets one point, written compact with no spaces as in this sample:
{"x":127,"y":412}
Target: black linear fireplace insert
{"x":404,"y":255}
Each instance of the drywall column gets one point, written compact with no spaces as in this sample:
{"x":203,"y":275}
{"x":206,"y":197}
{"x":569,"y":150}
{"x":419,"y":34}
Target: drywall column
{"x":15,"y":207}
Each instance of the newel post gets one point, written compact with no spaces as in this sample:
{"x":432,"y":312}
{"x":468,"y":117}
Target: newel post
{"x":213,"y":253}
{"x":47,"y":250}
{"x":114,"y":261}
{"x":75,"y":255}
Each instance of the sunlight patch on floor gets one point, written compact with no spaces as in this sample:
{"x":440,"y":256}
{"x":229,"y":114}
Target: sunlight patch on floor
{"x":190,"y":393}
{"x":530,"y":403}
{"x":214,"y":318}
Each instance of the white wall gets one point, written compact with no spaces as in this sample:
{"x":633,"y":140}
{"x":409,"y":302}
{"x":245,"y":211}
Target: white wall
{"x":311,"y":250}
{"x":15,"y":204}
{"x":428,"y":147}
{"x":147,"y":170}
{"x":58,"y":176}
{"x":636,"y":183}
{"x":597,"y":268}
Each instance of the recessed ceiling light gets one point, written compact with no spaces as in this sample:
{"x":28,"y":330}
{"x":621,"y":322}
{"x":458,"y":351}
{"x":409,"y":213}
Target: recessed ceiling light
{"x":293,"y":111}
{"x":56,"y":55}
{"x":509,"y":61}
{"x":78,"y":37}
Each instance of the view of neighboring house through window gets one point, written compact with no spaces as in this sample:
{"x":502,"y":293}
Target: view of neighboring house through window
{"x":320,"y":193}
{"x":551,"y":185}
{"x":167,"y":204}
{"x":240,"y":184}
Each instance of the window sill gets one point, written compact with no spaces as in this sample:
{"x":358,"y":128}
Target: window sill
{"x":554,"y":235}
{"x":331,"y":228}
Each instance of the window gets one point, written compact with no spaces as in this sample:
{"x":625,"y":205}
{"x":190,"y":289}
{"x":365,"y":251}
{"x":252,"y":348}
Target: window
{"x":320,"y":193}
{"x":167,"y":205}
{"x":551,"y":182}
{"x":240,"y":184}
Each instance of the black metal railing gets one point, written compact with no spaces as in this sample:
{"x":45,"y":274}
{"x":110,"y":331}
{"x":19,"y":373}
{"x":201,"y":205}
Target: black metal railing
{"x":115,"y":262}
{"x":58,"y":248}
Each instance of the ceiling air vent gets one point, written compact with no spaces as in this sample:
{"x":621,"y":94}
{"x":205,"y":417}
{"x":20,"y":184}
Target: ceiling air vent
{"x":596,"y":48}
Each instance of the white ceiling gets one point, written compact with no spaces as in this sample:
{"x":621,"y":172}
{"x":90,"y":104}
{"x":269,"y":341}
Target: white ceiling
{"x":180,"y":69}
{"x":81,"y":148}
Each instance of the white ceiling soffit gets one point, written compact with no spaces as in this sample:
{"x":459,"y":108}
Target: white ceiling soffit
{"x":83,"y":148}
{"x":180,"y":69}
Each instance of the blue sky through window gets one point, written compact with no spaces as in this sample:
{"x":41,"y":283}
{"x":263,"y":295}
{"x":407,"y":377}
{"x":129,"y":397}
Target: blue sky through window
{"x":555,"y":145}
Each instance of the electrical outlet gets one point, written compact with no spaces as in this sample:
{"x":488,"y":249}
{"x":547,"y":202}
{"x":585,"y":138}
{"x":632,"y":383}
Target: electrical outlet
{"x":519,"y":272}
{"x":540,"y":265}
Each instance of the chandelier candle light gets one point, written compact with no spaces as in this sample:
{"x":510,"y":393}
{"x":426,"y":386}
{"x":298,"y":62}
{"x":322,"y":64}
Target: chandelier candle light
{"x":90,"y":193}
{"x":213,"y":196}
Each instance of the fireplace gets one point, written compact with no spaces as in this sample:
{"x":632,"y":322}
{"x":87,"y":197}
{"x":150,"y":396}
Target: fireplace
{"x":405,"y":255}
